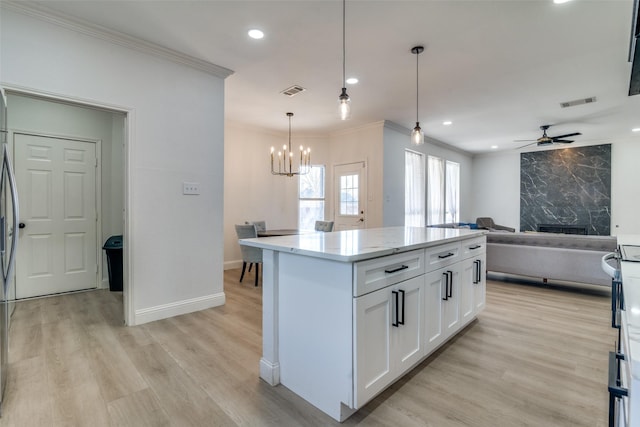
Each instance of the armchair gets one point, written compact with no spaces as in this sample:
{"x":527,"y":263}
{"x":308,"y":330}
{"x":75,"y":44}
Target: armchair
{"x":488,"y":224}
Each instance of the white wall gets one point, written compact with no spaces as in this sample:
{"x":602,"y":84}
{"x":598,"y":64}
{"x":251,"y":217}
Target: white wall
{"x":496,"y":187}
{"x":355,"y":145}
{"x":251,"y":192}
{"x":396,"y":141}
{"x":26,"y":113}
{"x":625,"y":190}
{"x":173,"y":243}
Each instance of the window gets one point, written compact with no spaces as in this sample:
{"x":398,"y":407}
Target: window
{"x":414,"y":189}
{"x":349,"y":194}
{"x":443,"y":204}
{"x":311,"y":198}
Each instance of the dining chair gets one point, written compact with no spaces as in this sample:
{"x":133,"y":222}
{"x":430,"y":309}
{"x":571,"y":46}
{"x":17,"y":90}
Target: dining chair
{"x":260,"y":225}
{"x":325,"y":226}
{"x":250,"y":254}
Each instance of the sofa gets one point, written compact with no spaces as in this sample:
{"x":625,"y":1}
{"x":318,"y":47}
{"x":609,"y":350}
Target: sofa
{"x":550,"y":256}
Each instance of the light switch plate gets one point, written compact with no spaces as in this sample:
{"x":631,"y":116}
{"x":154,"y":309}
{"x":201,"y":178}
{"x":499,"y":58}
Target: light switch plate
{"x":191,"y":188}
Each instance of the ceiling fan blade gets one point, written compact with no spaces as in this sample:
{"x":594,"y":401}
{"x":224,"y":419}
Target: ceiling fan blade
{"x":564,"y":141}
{"x":534,"y":142}
{"x":565,"y":136}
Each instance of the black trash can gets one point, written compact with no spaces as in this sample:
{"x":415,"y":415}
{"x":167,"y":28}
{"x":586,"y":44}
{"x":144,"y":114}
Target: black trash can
{"x":113,"y":247}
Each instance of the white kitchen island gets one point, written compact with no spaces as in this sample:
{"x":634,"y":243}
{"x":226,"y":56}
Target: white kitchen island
{"x":347,"y":313}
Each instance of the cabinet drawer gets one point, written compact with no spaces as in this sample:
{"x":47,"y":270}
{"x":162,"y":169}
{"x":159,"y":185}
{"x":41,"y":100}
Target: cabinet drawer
{"x":472,"y":247}
{"x":441,"y":256}
{"x":374,"y":274}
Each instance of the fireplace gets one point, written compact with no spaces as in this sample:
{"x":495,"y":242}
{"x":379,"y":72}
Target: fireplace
{"x":562,"y":228}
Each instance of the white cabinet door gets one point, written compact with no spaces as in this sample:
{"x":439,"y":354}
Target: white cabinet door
{"x":480,"y":288}
{"x":388,"y":336}
{"x":451,"y":302}
{"x":434,"y":293}
{"x":407,"y":336}
{"x":372,"y":370}
{"x":468,"y":278}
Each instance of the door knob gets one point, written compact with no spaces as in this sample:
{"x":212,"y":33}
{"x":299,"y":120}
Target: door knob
{"x":22,"y":225}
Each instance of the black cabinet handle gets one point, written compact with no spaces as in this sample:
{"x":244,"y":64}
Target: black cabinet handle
{"x":395,"y":270}
{"x":22,"y":225}
{"x":446,"y":256}
{"x":615,"y":391}
{"x":614,"y":304}
{"x":475,"y":247}
{"x":478,"y":273}
{"x":446,"y":286}
{"x":401,"y":322}
{"x":617,"y":303}
{"x":450,"y":291}
{"x":395,"y":322}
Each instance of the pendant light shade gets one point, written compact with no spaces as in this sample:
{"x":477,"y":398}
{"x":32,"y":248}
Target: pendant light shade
{"x":344,"y":100}
{"x":417,"y":136}
{"x":345,"y":105}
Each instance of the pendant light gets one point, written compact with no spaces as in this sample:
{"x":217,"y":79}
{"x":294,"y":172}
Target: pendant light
{"x":285,"y":161}
{"x":417,"y":136}
{"x":343,"y":99}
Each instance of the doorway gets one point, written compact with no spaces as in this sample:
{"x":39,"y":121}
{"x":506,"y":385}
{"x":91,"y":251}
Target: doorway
{"x":78,"y":132}
{"x":350,"y":185}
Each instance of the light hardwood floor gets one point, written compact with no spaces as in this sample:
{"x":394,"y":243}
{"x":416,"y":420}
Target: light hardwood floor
{"x":537,"y":356}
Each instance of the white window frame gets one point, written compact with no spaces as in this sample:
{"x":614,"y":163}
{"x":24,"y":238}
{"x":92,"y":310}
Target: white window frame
{"x":415,"y":202}
{"x":443,"y":201}
{"x":322,"y":199}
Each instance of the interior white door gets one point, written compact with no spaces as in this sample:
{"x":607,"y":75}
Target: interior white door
{"x":350,"y":188}
{"x":56,"y":181}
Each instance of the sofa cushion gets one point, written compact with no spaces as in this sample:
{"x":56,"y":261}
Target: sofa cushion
{"x":553,"y":240}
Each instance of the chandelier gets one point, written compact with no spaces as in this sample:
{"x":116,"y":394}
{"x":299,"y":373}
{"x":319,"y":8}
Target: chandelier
{"x":285,"y":159}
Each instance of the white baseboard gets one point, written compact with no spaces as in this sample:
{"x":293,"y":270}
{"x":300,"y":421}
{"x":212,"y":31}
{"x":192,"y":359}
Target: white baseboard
{"x":228,"y":265}
{"x":105,"y":283}
{"x":165,"y":311}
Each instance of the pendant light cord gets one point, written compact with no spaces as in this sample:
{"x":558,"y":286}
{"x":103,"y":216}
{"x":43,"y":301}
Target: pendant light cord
{"x":344,"y":49}
{"x":417,"y":87}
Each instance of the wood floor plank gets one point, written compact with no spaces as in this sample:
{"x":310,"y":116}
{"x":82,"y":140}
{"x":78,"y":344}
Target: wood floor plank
{"x":537,"y":356}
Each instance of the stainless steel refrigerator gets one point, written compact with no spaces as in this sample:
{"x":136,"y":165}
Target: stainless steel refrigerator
{"x":8,"y":242}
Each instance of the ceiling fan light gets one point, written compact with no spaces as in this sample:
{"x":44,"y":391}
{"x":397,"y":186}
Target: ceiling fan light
{"x":417,"y":136}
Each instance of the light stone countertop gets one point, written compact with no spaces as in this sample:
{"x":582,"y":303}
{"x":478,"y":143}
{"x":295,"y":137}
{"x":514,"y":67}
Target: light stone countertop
{"x":631,"y":315}
{"x":358,"y":245}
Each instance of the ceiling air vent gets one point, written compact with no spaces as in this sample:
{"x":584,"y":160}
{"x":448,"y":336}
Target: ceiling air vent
{"x":293,"y":90}
{"x":578,"y":102}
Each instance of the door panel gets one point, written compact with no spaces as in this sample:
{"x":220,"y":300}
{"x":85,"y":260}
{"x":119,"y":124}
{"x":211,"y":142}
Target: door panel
{"x":409,"y":335}
{"x":350,"y":184}
{"x":57,"y":184}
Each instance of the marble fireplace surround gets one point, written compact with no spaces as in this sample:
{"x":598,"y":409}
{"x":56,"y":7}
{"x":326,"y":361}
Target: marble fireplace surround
{"x":567,"y":186}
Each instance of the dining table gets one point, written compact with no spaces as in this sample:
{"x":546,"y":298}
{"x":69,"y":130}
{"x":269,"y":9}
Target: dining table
{"x":280,"y":232}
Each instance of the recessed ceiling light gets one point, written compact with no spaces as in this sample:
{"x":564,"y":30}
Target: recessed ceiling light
{"x":256,"y":34}
{"x":635,"y":130}
{"x":352,"y":80}
{"x":561,"y":1}
{"x":493,"y":147}
{"x":447,"y":122}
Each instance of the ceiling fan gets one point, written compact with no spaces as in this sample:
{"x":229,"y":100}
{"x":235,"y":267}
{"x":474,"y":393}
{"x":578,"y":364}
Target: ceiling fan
{"x":547,"y":140}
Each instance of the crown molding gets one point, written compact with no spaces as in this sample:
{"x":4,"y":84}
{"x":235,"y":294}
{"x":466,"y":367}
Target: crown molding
{"x":427,"y":139}
{"x":84,"y":27}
